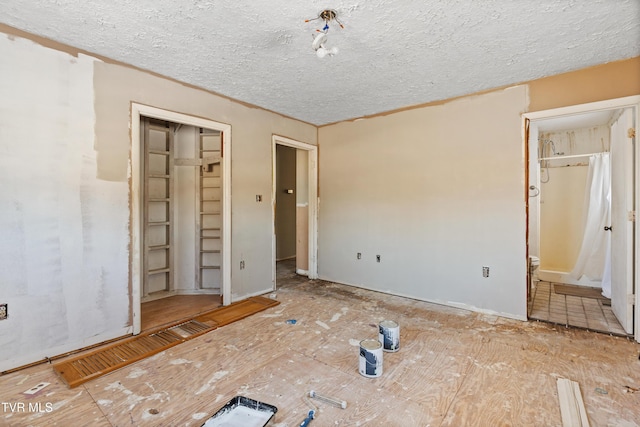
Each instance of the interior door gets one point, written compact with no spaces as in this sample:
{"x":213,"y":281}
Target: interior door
{"x":622,"y":190}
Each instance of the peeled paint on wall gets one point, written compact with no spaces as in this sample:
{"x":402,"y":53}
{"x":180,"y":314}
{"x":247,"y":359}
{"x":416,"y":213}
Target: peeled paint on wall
{"x":64,"y":250}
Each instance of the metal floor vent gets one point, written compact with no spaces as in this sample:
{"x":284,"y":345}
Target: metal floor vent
{"x":101,"y":361}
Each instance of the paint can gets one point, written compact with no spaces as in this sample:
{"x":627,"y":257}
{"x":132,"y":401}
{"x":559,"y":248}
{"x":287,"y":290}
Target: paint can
{"x":370,"y":358}
{"x":389,"y":335}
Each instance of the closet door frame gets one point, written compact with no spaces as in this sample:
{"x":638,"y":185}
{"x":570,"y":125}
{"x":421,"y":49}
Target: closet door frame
{"x":137,"y":184}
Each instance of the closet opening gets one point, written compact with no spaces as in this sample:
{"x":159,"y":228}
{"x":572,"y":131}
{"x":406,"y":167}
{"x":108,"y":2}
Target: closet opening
{"x":180,"y":216}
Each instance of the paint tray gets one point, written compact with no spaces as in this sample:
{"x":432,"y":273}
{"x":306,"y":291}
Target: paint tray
{"x":242,"y":412}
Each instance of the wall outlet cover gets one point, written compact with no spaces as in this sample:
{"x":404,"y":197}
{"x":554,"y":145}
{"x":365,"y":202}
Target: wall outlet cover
{"x":35,"y":389}
{"x":4,"y":311}
{"x":485,"y":271}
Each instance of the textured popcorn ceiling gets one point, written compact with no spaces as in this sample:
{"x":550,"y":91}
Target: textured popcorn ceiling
{"x":393,"y":54}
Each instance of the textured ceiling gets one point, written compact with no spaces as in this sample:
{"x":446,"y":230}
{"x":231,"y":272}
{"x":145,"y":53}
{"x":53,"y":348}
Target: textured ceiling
{"x":393,"y":54}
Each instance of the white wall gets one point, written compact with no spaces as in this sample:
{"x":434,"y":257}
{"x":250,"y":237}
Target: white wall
{"x":64,"y":248}
{"x":65,"y":167}
{"x":439,"y":193}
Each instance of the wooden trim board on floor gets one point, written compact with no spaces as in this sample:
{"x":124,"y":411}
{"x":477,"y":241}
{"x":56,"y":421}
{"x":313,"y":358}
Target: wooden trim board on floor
{"x":101,"y":361}
{"x":572,"y":407}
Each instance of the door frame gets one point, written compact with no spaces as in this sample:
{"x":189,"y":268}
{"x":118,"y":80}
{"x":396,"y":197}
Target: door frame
{"x":610,"y":104}
{"x":312,"y":152}
{"x":136,"y":248}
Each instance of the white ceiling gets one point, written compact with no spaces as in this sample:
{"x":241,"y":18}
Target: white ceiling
{"x":576,"y":121}
{"x":393,"y":54}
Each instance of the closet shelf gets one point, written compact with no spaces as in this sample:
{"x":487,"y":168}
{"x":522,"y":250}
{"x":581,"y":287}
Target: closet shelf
{"x":159,"y":247}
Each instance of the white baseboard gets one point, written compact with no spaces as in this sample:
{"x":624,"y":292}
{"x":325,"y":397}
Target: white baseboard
{"x":236,"y":298}
{"x":167,"y":294}
{"x":199,"y":291}
{"x":452,"y":304}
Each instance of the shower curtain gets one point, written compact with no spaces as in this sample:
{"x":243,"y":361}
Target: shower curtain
{"x":594,"y":259}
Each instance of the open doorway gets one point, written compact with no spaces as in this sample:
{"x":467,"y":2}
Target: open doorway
{"x":180,"y":222}
{"x":583,"y":193}
{"x":294,"y":201}
{"x":290,"y":207}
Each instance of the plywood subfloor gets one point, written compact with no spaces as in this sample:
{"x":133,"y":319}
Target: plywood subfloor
{"x":174,"y":308}
{"x":454,"y":368}
{"x":103,"y":360}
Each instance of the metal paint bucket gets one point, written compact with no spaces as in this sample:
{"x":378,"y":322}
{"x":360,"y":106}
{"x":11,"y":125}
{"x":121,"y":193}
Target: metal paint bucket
{"x":389,"y":335}
{"x":370,"y":358}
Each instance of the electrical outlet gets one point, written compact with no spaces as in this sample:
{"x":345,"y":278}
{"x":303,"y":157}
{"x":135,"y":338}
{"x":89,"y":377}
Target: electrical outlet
{"x":485,"y":271}
{"x":258,"y":197}
{"x":4,"y":311}
{"x":359,"y":255}
{"x":242,"y":265}
{"x":377,"y":258}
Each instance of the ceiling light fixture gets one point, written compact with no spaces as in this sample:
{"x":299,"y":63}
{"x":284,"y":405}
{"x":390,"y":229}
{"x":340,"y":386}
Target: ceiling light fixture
{"x":319,"y":40}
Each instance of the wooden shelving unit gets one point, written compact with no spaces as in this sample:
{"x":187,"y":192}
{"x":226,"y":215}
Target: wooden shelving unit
{"x":210,"y":215}
{"x":157,"y":208}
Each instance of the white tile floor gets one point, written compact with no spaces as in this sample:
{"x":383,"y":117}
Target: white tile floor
{"x":588,"y":313}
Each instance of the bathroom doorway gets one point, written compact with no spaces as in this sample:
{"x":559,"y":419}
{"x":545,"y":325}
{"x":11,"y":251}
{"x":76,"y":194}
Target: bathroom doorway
{"x":582,"y":187}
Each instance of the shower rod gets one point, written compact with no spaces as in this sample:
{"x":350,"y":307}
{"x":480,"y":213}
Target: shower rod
{"x":575,"y":156}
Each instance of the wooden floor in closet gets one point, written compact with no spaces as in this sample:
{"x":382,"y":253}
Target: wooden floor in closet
{"x":166,"y":310}
{"x":454,"y":368}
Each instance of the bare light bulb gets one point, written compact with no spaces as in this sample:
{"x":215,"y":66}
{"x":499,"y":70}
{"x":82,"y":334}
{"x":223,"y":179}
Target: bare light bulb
{"x":323,"y":51}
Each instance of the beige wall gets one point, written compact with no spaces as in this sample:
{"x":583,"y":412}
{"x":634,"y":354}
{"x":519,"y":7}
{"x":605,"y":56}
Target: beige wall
{"x":606,"y":81}
{"x":66,"y":193}
{"x":438,"y":193}
{"x":252,"y":129}
{"x":562,"y":196}
{"x":562,"y":217}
